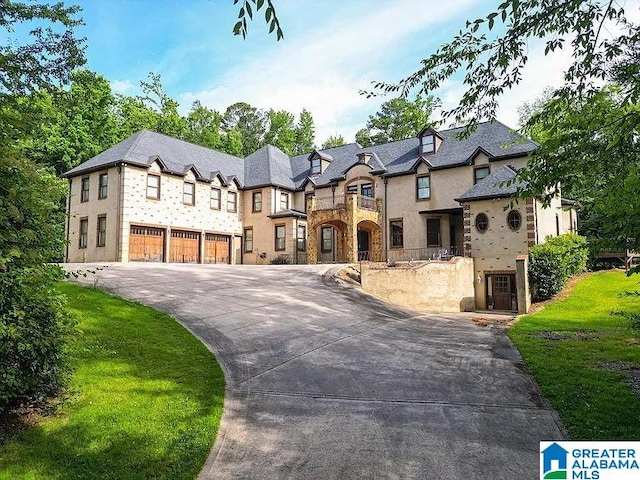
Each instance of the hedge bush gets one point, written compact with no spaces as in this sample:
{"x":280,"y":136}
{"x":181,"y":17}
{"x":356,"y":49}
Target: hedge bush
{"x":552,"y":263}
{"x":34,"y":329}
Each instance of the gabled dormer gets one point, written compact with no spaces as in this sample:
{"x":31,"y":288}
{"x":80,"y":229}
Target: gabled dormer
{"x":318,"y":162}
{"x":430,"y":141}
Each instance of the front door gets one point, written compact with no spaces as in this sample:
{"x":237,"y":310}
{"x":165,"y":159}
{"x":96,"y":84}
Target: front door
{"x":503,"y":292}
{"x":364,"y":252}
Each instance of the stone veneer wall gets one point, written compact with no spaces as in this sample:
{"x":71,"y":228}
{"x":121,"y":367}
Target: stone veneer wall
{"x":345,"y":220}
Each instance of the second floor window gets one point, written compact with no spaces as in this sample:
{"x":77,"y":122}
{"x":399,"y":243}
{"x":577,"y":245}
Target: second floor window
{"x":257,"y":201}
{"x":423,"y":187}
{"x":366,"y":189}
{"x":215,"y":198}
{"x":280,"y":237}
{"x":103,"y":185}
{"x":84,"y":193}
{"x":480,"y":173}
{"x":189,"y":193}
{"x":284,"y":201}
{"x":396,"y":233}
{"x":232,"y":202}
{"x":153,"y":186}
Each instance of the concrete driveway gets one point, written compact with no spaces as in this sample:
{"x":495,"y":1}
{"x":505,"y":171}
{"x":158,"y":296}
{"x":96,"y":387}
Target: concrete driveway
{"x":325,"y":382}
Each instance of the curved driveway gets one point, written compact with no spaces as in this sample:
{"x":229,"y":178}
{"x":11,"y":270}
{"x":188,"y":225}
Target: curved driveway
{"x":325,"y":382}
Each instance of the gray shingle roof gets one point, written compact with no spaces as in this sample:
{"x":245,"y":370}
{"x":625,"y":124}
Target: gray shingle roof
{"x":270,"y":166}
{"x":143,"y":147}
{"x":492,"y":186}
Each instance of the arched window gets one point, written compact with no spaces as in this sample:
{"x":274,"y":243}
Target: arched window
{"x":482,"y":222}
{"x":514,"y":220}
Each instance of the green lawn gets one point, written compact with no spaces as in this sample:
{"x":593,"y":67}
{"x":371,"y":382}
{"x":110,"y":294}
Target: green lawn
{"x":584,"y":358}
{"x":145,"y":400}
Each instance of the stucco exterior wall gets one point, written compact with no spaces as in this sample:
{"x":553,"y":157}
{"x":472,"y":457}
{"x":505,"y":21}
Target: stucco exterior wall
{"x":429,"y":287}
{"x":91,"y":210}
{"x":497,"y":248}
{"x":546,"y":219}
{"x":445,"y":186}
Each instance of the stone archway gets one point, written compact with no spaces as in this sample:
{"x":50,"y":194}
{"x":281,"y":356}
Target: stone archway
{"x":334,"y":251}
{"x":369,"y":241}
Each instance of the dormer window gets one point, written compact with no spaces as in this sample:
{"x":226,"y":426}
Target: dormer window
{"x":428,"y":144}
{"x":316,"y":166}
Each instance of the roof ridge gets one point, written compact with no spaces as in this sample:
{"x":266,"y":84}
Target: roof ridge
{"x":140,"y":134}
{"x":188,"y":142}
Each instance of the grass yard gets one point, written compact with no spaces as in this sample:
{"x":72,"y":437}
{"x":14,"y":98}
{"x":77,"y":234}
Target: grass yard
{"x":145,"y":402}
{"x":587,"y":361}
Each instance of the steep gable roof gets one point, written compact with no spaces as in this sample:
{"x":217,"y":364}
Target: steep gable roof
{"x":145,"y":147}
{"x":271,"y":166}
{"x":268,"y":166}
{"x":493,"y":186}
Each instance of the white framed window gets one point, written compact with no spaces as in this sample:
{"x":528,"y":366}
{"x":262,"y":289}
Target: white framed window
{"x":232,"y":202}
{"x":189,"y":193}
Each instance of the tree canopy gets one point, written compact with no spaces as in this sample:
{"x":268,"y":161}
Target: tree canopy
{"x":334,"y":141}
{"x":397,"y":119}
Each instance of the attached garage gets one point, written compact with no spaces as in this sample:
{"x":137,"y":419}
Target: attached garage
{"x":185,"y":247}
{"x":216,"y":248}
{"x":146,"y":244}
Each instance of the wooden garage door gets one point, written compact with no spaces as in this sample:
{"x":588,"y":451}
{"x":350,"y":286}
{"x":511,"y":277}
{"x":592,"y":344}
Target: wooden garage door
{"x":216,"y":248}
{"x":185,"y":247}
{"x":146,"y":244}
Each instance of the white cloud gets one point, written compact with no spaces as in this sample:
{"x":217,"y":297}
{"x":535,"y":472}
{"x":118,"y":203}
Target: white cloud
{"x":121,"y":86}
{"x":323,"y":69}
{"x":540,"y":72}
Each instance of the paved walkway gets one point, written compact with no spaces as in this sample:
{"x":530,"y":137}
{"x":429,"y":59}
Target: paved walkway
{"x":325,"y":382}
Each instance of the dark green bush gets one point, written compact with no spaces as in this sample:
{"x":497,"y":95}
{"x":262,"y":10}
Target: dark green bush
{"x":552,"y":263}
{"x":34,"y":329}
{"x":575,"y":252}
{"x":33,"y":334}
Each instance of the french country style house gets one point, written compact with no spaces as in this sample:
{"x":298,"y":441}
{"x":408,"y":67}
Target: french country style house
{"x":154,"y":198}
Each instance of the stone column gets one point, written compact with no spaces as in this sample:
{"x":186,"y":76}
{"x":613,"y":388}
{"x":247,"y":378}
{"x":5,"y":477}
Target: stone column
{"x":522,"y":284}
{"x":312,"y":244}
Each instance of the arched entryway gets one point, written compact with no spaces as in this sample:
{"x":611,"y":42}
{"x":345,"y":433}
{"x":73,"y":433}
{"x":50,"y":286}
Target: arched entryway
{"x":369,"y":241}
{"x":327,"y":242}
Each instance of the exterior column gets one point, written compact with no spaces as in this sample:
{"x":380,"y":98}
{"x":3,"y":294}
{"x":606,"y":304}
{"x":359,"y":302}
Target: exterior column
{"x":312,"y":244}
{"x":522,"y":284}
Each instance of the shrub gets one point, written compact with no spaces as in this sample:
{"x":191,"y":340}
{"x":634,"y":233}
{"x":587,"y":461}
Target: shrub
{"x":33,"y":326}
{"x":575,"y":252}
{"x":33,"y":335}
{"x":552,"y":263}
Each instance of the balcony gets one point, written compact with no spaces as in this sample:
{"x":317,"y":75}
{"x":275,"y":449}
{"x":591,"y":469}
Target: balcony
{"x":341,"y":201}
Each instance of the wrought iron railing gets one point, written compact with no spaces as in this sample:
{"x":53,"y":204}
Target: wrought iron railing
{"x":364,"y":256}
{"x":427,"y":253}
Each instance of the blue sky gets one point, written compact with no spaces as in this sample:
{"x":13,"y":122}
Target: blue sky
{"x":331,"y":50}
